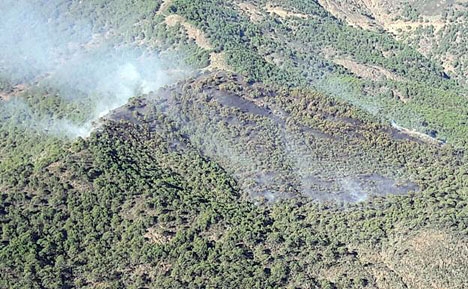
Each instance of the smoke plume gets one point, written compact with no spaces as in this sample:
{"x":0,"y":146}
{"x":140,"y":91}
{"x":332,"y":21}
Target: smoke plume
{"x":38,"y":49}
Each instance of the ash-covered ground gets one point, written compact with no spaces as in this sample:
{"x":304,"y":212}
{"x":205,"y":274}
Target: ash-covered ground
{"x":277,"y":144}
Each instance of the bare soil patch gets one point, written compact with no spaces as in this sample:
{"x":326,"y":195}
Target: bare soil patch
{"x":164,"y":6}
{"x":283,"y":13}
{"x":252,"y":11}
{"x":218,"y":62}
{"x":192,"y":32}
{"x":372,"y":72}
{"x":8,"y":95}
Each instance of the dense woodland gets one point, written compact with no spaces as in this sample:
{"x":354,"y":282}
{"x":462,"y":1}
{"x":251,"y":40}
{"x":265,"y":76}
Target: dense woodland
{"x":283,"y":172}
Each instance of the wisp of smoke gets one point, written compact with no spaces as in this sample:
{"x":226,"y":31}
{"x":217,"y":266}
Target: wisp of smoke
{"x":17,"y":113}
{"x":381,"y":109}
{"x":34,"y":50}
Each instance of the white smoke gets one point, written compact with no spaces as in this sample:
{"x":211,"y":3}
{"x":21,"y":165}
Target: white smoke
{"x":37,"y":49}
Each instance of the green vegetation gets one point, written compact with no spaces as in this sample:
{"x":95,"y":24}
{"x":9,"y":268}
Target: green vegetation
{"x":298,"y":48}
{"x":128,"y":208}
{"x":285,"y":173}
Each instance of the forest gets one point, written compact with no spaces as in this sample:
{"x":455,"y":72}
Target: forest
{"x":279,"y":147}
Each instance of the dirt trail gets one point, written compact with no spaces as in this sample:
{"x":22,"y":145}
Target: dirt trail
{"x":252,"y":11}
{"x":414,"y":133}
{"x":283,"y":13}
{"x":193,"y":33}
{"x":372,"y":72}
{"x":403,"y":26}
{"x":347,"y":13}
{"x":164,"y":6}
{"x":17,"y":89}
{"x":373,"y":14}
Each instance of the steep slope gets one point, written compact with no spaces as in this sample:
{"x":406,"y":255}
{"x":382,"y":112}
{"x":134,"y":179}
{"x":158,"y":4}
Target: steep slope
{"x":279,"y":144}
{"x":142,"y":202}
{"x":292,"y":43}
{"x":322,"y":155}
{"x":436,"y":28}
{"x":287,"y":48}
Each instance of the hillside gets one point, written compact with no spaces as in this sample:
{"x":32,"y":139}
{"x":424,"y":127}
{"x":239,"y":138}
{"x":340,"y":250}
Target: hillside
{"x":143,"y":200}
{"x":435,"y":28}
{"x":233,"y":144}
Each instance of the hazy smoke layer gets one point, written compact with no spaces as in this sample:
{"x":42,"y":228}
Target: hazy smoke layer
{"x":38,"y":47}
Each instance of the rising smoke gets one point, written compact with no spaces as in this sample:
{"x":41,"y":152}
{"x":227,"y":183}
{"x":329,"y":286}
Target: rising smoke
{"x":87,"y":68}
{"x":83,"y":67}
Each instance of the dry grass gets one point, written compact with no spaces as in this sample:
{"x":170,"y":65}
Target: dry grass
{"x":218,"y":62}
{"x":192,"y":32}
{"x":164,"y":6}
{"x":18,"y":89}
{"x":283,"y":13}
{"x":346,"y":11}
{"x":383,"y":13}
{"x":371,"y":72}
{"x":252,"y":11}
{"x":155,"y":236}
{"x":421,"y":260}
{"x":430,"y":259}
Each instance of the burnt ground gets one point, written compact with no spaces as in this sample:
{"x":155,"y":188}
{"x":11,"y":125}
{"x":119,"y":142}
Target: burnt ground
{"x":273,"y":145}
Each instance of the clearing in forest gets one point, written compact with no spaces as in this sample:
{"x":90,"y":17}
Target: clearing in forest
{"x":193,"y":32}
